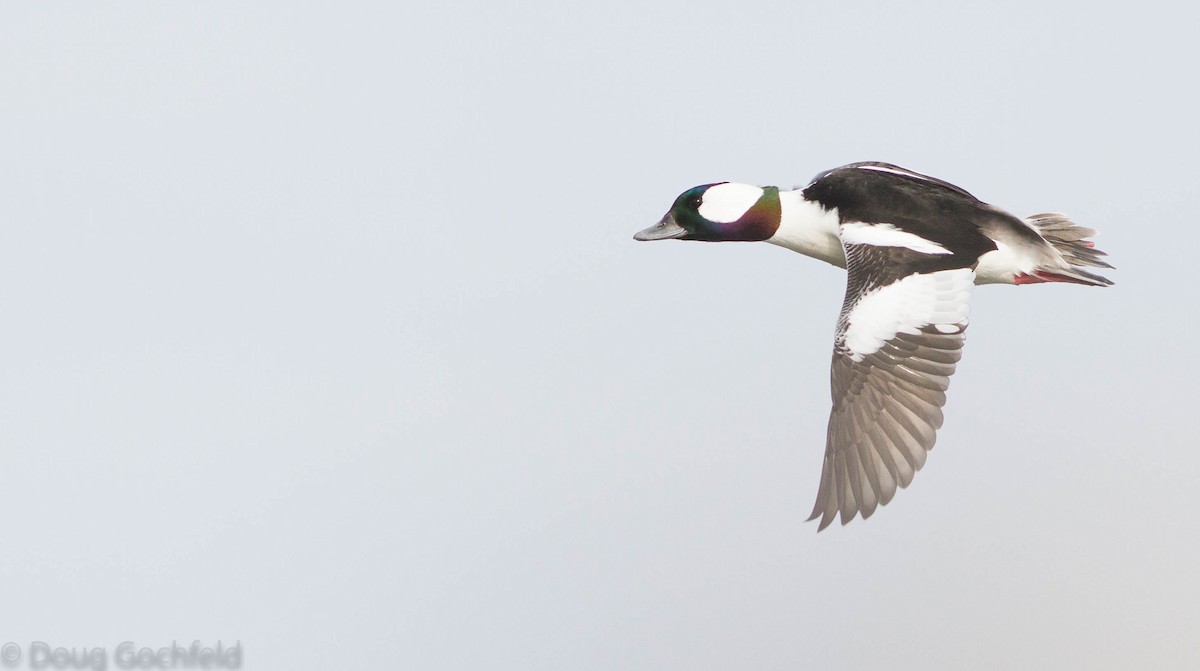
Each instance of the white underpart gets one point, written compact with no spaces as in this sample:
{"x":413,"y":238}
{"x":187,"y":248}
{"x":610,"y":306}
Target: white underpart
{"x":941,"y":299}
{"x":894,"y":171}
{"x":887,"y":235}
{"x":808,"y":228}
{"x":1002,"y":264}
{"x":725,"y":203}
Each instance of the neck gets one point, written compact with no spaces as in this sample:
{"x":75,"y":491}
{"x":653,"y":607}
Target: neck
{"x":808,"y":228}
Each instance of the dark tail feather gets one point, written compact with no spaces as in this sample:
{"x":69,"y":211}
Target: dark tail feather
{"x":1071,"y":241}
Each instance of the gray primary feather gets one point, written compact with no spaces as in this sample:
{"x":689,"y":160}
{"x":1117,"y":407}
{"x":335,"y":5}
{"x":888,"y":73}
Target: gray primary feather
{"x":886,"y":412}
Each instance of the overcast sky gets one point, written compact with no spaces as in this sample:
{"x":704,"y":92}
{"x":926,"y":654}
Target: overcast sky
{"x":324,"y":331}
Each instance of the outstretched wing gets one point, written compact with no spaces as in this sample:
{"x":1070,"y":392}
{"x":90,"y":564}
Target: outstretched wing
{"x":899,"y":336}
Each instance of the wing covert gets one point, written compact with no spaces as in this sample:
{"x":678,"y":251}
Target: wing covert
{"x":899,"y":336}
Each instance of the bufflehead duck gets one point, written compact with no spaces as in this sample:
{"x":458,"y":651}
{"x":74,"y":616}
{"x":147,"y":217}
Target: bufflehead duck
{"x":914,"y":246}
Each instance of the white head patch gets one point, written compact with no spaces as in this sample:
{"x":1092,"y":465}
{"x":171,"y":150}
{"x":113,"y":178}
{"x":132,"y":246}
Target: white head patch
{"x":725,"y":203}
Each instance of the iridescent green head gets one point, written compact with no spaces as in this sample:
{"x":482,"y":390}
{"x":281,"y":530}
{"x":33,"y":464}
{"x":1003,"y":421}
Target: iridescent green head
{"x":719,"y":212}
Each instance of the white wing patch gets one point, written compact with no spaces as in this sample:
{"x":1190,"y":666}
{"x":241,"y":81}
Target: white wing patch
{"x":887,"y":235}
{"x":725,"y":203}
{"x":895,"y":170}
{"x":941,"y":298}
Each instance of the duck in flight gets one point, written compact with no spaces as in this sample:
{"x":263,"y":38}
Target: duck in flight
{"x":913,"y":247}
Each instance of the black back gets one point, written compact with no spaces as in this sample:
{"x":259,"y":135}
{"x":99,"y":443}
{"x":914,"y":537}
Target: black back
{"x":925,"y":206}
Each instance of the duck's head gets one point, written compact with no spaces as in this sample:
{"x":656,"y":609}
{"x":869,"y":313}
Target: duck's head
{"x":719,"y":212}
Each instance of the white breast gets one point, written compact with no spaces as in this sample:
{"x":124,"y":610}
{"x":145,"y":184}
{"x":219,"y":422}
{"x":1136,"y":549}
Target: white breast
{"x":808,"y":228}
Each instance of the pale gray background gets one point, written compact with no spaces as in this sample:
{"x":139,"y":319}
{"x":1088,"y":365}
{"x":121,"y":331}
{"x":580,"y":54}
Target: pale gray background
{"x":323,"y":330}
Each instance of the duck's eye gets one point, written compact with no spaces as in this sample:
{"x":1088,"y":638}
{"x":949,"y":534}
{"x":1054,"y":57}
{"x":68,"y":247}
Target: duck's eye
{"x":694,"y":202}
